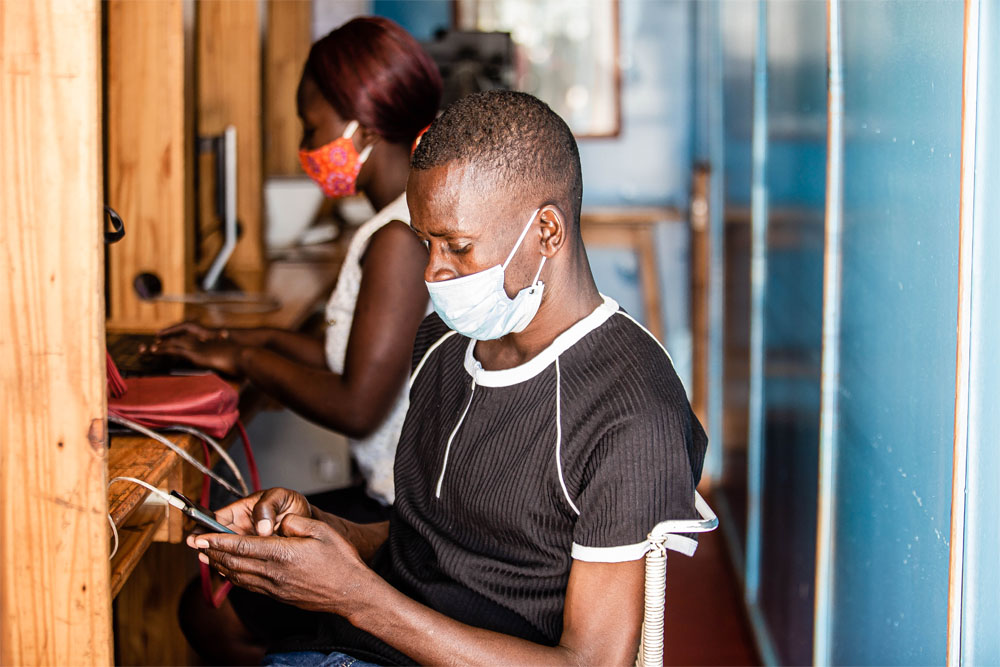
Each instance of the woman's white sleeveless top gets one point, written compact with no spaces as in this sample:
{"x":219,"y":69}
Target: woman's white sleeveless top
{"x":376,"y":453}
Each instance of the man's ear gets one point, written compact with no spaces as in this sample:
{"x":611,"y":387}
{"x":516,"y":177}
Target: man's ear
{"x":553,"y":232}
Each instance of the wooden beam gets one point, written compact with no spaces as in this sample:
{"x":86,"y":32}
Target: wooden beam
{"x":229,"y":93}
{"x":700,"y":274}
{"x":150,"y":156}
{"x":286,"y":48}
{"x":54,"y":602}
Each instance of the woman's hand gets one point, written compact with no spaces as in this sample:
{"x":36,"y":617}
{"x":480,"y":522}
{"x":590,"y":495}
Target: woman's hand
{"x":193,"y":329}
{"x":214,"y":353}
{"x":249,"y":337}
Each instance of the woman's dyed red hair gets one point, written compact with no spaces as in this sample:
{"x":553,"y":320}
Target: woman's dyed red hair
{"x":371,"y":70}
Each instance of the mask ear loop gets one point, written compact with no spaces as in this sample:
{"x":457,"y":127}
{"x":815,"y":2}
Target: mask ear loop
{"x":365,"y":152}
{"x":351,"y":128}
{"x":534,"y":283}
{"x":524,"y":232}
{"x":349,"y":131}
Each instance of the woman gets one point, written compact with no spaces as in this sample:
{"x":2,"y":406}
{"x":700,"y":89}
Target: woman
{"x":367,"y":91}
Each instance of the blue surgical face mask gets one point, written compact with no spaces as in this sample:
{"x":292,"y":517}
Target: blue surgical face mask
{"x":477,"y":305}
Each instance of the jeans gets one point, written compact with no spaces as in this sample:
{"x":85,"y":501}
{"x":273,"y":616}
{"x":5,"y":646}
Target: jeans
{"x":313,"y":659}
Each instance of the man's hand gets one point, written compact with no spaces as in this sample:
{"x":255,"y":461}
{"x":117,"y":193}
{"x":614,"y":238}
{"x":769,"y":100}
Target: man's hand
{"x":307,"y":563}
{"x":262,"y":512}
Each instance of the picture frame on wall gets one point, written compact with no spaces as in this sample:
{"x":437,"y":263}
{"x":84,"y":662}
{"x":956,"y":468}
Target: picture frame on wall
{"x":566,"y":54}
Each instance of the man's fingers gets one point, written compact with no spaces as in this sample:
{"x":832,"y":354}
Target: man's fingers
{"x":239,"y":515}
{"x":266,"y":510}
{"x":274,"y":506}
{"x":224,"y":547}
{"x":293,"y":525}
{"x":242,"y":572}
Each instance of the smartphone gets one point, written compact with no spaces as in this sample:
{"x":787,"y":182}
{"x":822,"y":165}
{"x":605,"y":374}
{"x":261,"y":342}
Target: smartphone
{"x":200,"y":514}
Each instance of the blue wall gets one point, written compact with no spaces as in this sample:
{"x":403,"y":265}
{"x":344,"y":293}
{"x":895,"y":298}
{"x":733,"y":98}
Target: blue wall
{"x":650,"y":162}
{"x":422,"y":18}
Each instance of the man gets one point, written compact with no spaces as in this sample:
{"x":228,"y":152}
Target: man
{"x":547,"y":433}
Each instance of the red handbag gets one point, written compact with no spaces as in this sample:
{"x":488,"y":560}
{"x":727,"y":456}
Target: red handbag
{"x":205,"y":402}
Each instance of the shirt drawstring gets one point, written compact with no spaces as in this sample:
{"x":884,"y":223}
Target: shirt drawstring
{"x":447,"y":449}
{"x":562,"y":482}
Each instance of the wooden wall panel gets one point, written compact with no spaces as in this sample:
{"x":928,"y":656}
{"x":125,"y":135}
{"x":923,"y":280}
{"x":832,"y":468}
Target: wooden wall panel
{"x":147,"y":631}
{"x":54,"y":603}
{"x":286,"y":48}
{"x":229,"y":92}
{"x":150,"y":151}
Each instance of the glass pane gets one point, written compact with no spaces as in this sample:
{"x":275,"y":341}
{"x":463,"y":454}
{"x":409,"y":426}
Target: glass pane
{"x":902,"y":123}
{"x":793,"y":319}
{"x":739,"y":36}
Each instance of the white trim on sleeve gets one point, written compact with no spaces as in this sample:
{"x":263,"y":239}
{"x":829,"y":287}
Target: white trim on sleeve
{"x":630,"y":552}
{"x":621,"y":554}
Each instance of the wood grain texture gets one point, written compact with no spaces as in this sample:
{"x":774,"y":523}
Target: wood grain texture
{"x":286,"y":48}
{"x":134,"y":539}
{"x":150,"y":147}
{"x":143,"y":458}
{"x":54,"y":603}
{"x":229,"y":92}
{"x":146,"y":627}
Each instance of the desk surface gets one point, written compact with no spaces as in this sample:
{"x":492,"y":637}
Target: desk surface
{"x":300,"y":286}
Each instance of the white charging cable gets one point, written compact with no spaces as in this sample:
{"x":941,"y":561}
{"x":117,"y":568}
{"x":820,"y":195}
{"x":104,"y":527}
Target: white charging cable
{"x":223,"y":454}
{"x":117,"y":419}
{"x":170,"y":500}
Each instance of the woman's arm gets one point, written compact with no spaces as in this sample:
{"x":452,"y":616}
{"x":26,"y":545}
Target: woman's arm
{"x":299,"y":347}
{"x":391,"y":304}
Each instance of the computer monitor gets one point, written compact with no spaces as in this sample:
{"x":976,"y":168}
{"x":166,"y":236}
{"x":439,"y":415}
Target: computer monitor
{"x":224,"y":147}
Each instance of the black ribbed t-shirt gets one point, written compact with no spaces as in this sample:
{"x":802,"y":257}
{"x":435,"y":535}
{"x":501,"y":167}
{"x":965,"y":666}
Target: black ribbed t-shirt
{"x":504,"y":477}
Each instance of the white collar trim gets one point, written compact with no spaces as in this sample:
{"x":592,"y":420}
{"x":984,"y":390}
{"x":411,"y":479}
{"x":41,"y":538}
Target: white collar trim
{"x":529,"y":369}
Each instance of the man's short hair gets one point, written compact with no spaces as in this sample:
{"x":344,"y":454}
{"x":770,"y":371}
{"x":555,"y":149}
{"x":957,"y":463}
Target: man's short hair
{"x":514,"y":135}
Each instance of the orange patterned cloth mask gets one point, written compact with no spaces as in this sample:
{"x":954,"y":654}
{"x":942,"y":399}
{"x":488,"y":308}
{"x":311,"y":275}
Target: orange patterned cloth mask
{"x":335,"y":166}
